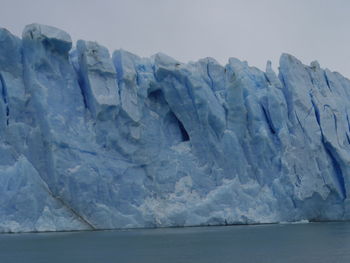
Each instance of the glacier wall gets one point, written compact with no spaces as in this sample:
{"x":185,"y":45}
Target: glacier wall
{"x":93,"y":141}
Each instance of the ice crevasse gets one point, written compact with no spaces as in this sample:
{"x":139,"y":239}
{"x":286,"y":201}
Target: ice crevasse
{"x":90,"y":140}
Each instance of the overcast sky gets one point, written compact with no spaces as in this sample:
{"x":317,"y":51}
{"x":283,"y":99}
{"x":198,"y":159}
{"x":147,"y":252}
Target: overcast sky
{"x":252,"y":30}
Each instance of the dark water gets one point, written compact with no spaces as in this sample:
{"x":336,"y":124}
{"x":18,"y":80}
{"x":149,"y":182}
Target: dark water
{"x":314,"y":242}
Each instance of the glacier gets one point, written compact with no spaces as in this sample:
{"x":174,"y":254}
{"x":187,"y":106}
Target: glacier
{"x":92,"y":140}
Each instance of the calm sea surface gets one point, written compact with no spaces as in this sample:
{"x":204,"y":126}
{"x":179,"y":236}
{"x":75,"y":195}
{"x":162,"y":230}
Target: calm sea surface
{"x":314,"y":242}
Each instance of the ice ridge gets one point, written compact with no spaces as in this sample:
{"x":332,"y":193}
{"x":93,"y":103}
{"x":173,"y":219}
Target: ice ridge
{"x":90,"y":140}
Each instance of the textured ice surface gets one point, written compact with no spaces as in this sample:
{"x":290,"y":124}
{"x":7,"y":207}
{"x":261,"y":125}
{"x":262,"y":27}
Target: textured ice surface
{"x":94,"y":141}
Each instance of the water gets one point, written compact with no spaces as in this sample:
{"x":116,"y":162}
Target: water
{"x":314,"y":242}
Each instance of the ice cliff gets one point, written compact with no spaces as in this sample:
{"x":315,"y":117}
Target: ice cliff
{"x":93,"y":141}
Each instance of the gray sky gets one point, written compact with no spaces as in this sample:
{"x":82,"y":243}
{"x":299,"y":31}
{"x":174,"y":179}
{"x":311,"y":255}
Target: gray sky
{"x":252,"y":30}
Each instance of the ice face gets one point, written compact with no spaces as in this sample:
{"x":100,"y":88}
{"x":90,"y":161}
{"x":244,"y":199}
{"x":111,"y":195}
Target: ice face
{"x":52,"y":37}
{"x":94,"y":141}
{"x":98,"y":78}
